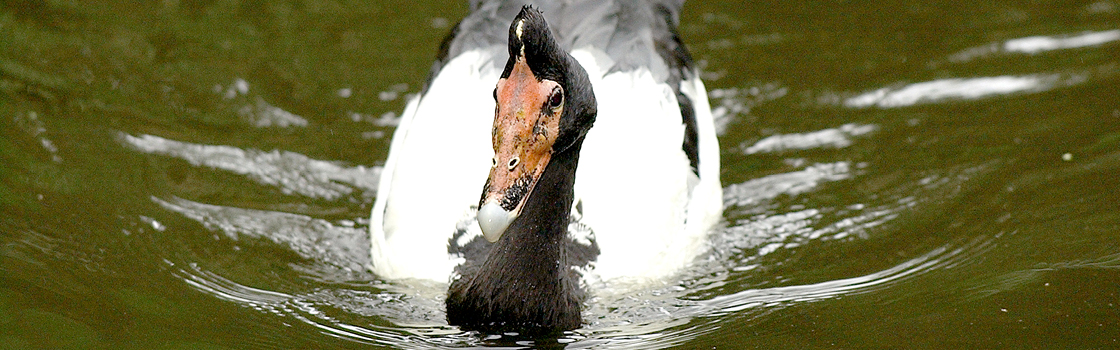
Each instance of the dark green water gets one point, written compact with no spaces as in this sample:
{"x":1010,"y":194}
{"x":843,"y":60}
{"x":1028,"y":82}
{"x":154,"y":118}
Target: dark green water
{"x":198,"y":175}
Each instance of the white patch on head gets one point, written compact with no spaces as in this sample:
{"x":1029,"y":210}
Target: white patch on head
{"x":517,"y":31}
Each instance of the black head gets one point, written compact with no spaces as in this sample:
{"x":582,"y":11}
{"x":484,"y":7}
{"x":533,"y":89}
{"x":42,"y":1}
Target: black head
{"x":531,"y":39}
{"x":545,"y":106}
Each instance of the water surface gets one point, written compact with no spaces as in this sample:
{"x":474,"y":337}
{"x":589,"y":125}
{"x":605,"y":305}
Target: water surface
{"x":199,"y":174}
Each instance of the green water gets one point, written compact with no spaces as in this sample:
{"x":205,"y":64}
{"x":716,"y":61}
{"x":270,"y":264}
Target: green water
{"x":198,"y":175}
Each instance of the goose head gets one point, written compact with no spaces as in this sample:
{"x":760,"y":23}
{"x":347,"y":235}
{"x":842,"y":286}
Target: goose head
{"x":545,"y":105}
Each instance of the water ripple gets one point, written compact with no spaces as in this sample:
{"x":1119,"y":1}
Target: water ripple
{"x":1037,"y":44}
{"x":259,"y":113}
{"x":769,"y":297}
{"x":289,"y":171}
{"x":839,"y":137}
{"x":791,"y":183}
{"x":729,"y":104}
{"x":411,"y":316}
{"x":953,"y":88}
{"x":317,"y":239}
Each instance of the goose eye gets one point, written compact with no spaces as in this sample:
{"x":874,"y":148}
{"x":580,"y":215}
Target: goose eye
{"x":495,"y":162}
{"x":556,"y":98}
{"x":513,"y":162}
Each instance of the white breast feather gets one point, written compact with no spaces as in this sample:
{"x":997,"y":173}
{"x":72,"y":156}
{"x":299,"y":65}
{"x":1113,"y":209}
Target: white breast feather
{"x":638,"y":194}
{"x":633,"y":177}
{"x":439,"y":161}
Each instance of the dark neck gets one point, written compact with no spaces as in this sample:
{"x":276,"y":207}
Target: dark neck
{"x":526,"y":283}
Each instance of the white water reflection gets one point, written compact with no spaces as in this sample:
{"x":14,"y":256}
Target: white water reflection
{"x":831,"y":138}
{"x":259,"y":113}
{"x":31,"y":124}
{"x":263,"y":114}
{"x":982,"y":87}
{"x":290,"y":172}
{"x":1036,"y":44}
{"x":791,"y":183}
{"x":953,"y":88}
{"x":729,"y":104}
{"x":340,"y":245}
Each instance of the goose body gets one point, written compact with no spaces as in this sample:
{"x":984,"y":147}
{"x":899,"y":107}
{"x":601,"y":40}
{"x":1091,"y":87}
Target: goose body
{"x":628,"y":189}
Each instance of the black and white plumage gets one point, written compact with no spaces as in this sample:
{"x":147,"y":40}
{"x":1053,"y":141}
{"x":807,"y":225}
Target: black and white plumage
{"x":635,"y":209}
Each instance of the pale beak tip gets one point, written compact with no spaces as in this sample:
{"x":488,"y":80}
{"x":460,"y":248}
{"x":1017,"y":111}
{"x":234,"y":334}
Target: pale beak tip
{"x":493,"y":220}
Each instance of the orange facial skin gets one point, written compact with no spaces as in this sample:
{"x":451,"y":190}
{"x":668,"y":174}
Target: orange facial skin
{"x":526,"y":124}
